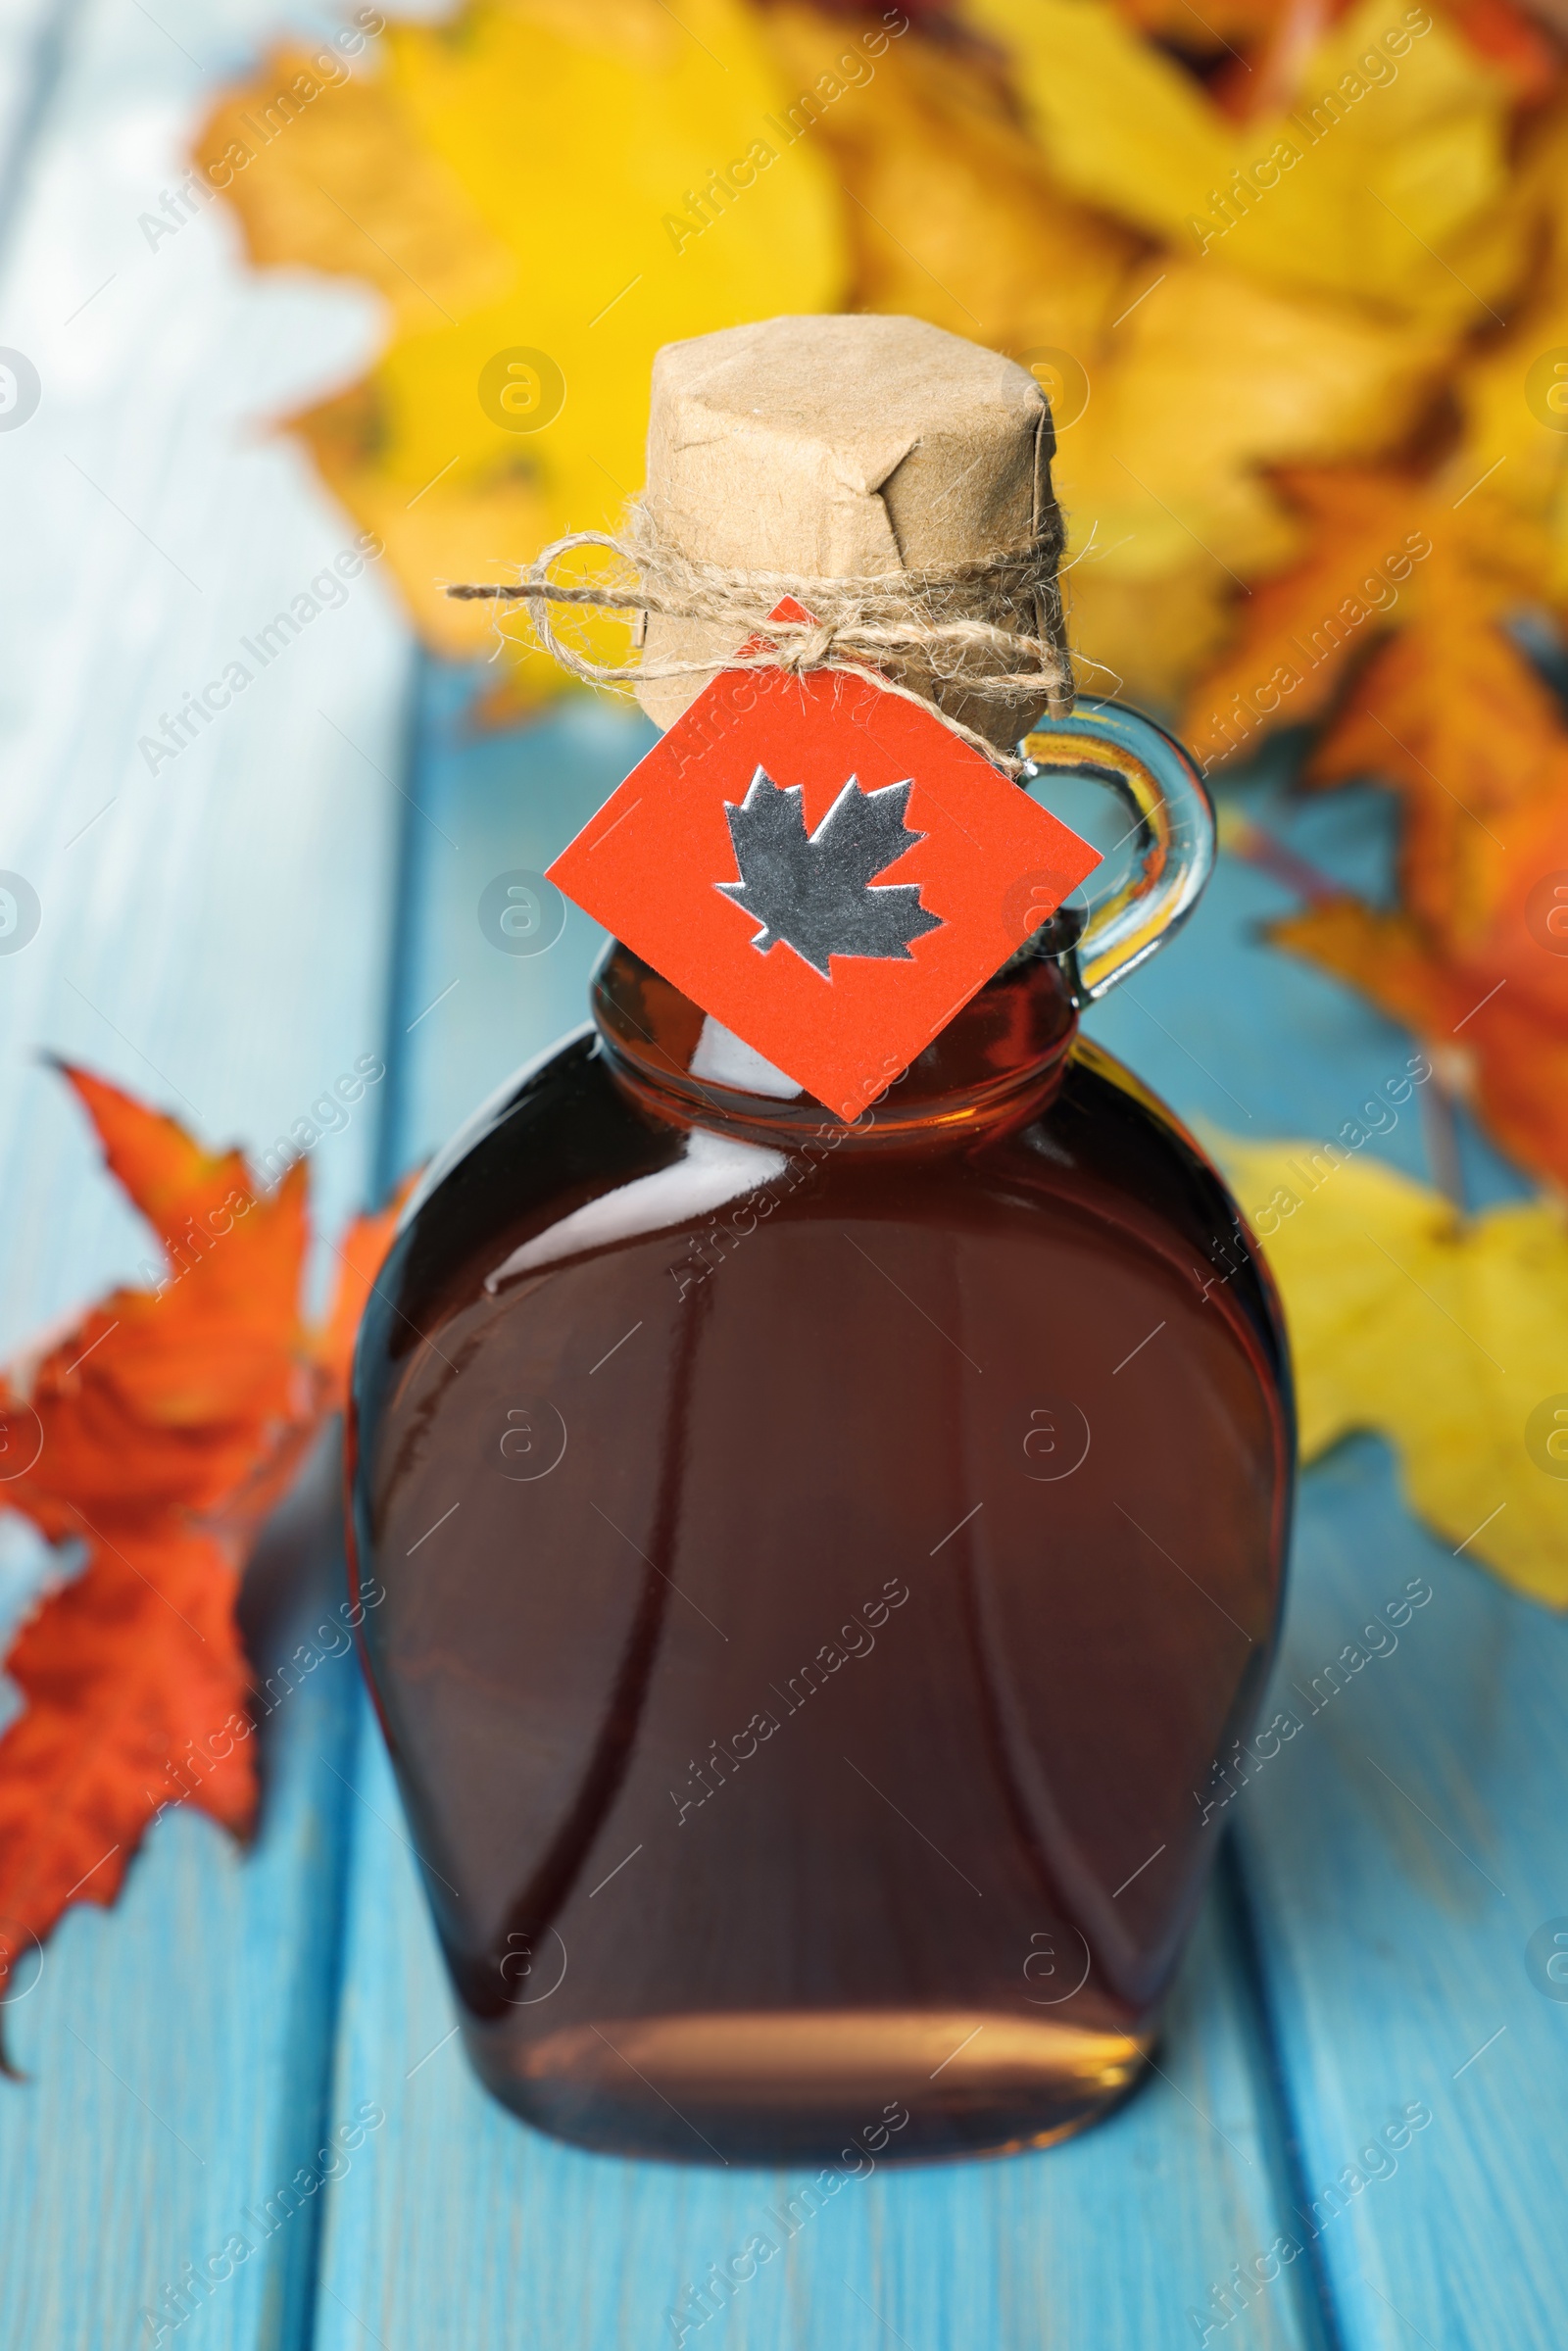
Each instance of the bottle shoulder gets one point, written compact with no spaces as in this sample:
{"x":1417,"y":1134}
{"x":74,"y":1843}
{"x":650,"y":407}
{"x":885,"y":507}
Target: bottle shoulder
{"x":1118,"y":1148}
{"x":555,"y":1137}
{"x":565,"y":1163}
{"x":1106,"y":1134}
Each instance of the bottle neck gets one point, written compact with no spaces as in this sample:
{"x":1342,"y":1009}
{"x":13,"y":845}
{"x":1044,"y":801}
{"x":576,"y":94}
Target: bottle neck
{"x":999,"y":1058}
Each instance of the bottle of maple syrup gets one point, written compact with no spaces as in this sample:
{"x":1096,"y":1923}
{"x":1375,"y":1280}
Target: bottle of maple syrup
{"x":825,"y":1558}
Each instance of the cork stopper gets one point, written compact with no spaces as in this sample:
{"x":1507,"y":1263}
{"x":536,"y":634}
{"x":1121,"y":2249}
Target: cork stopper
{"x":843,"y":448}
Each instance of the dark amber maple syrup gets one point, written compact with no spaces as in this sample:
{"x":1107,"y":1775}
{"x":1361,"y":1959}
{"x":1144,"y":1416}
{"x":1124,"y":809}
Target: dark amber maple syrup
{"x":822,"y":1567}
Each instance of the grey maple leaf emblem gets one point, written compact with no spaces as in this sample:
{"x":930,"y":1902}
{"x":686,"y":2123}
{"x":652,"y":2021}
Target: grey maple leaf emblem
{"x":816,"y":891}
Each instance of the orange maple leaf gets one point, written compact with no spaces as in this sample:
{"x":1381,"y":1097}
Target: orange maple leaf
{"x":1299,"y":633}
{"x":1515,"y":42}
{"x":158,"y":1431}
{"x":1475,"y":962}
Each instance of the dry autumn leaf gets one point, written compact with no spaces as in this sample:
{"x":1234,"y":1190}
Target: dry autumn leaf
{"x":1251,"y":23}
{"x":1255,"y":50}
{"x":1228,"y":358}
{"x":1381,"y":182}
{"x":1168,"y":479}
{"x":1476,"y":958}
{"x":1300,"y":630}
{"x":1439,"y":1332}
{"x":157,"y":1430}
{"x":1327,"y":250}
{"x":1512,"y":390}
{"x":1494,"y":1048}
{"x":952,"y":214}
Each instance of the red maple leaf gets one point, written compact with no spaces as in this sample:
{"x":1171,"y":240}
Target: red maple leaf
{"x":158,"y":1432}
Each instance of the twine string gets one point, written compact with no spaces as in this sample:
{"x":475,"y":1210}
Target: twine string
{"x":992,"y":629}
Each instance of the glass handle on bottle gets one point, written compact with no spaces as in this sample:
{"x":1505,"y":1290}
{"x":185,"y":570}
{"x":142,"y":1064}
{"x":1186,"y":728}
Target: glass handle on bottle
{"x":1171,"y":815}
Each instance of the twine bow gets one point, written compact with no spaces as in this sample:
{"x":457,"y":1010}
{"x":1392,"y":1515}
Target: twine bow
{"x":992,"y":629}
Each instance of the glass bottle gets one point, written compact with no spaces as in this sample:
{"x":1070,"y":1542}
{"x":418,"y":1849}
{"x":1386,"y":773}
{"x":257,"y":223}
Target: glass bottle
{"x":827,"y":1566}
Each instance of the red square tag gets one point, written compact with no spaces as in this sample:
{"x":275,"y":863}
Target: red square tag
{"x":825,"y":868}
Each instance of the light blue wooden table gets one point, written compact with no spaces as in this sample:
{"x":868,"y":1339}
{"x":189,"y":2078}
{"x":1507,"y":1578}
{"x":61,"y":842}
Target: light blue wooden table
{"x":225,"y":935}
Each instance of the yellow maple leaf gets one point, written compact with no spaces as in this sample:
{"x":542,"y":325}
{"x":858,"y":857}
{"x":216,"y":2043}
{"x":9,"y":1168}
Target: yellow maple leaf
{"x":1442,"y":1333}
{"x":1513,"y":390}
{"x":1292,"y":337}
{"x":1166,"y":480}
{"x":544,"y":194}
{"x":952,"y":214}
{"x":1171,"y":453}
{"x":1384,"y":182}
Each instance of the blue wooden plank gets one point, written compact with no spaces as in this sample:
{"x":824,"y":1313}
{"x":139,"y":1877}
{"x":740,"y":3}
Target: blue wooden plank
{"x":468,"y":1009}
{"x":213,"y":935}
{"x":459,"y":2217}
{"x":32,"y":46}
{"x":1410,"y":1861}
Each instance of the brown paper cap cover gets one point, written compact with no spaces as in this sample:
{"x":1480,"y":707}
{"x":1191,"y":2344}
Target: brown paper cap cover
{"x":832,"y":447}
